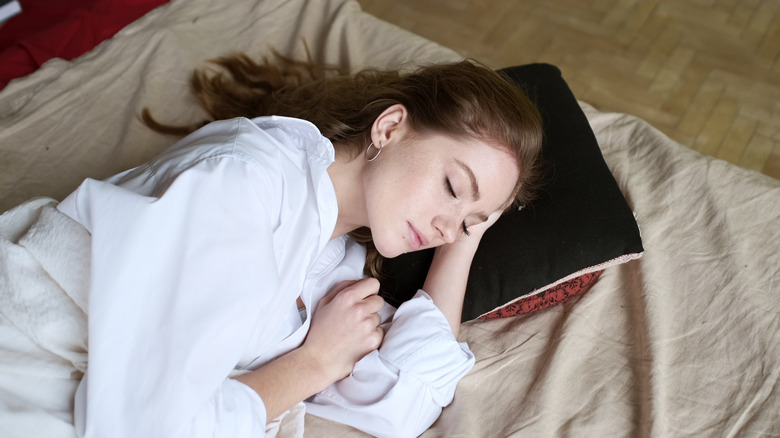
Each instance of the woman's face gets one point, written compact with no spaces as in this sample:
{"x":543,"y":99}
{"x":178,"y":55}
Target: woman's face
{"x":426,"y":190}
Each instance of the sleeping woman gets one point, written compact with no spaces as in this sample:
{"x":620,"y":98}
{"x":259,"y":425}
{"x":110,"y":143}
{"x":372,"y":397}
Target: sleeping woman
{"x":234,"y":276}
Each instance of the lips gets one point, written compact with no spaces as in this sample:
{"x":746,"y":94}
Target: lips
{"x":416,"y":239}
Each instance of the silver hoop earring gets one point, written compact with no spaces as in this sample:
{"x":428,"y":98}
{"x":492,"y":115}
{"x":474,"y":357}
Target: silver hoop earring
{"x":372,"y":156}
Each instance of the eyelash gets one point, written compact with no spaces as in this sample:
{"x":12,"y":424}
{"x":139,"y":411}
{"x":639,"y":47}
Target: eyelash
{"x":452,"y":192}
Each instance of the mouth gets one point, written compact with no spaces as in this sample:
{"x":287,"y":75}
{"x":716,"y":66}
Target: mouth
{"x":416,"y":239}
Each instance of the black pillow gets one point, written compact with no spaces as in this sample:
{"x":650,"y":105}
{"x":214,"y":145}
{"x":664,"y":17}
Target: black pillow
{"x":579,"y":223}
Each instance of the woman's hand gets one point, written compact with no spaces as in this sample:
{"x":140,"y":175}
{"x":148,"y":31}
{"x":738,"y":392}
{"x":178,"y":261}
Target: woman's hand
{"x":449,"y":271}
{"x":471,"y":241}
{"x":479,"y":229}
{"x":345,"y":326}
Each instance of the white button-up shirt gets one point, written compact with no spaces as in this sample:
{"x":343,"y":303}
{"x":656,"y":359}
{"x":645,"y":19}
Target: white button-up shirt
{"x":198,"y":258}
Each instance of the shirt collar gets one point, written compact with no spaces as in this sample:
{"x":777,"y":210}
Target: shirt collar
{"x":319,"y":154}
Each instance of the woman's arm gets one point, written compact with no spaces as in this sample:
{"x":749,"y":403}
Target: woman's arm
{"x":449,"y":272}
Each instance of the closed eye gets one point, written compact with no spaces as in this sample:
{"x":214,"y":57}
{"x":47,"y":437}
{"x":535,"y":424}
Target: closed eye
{"x":448,"y":184}
{"x":449,"y":187}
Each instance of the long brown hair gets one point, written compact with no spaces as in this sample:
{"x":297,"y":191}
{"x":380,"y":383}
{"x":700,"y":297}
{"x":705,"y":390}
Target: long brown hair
{"x":456,"y":99}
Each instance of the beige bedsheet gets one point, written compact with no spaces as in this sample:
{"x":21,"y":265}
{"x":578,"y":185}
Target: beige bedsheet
{"x":684,"y":342}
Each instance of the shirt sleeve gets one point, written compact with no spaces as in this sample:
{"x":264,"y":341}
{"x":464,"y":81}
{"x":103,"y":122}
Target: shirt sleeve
{"x":178,"y":284}
{"x":400,"y":389}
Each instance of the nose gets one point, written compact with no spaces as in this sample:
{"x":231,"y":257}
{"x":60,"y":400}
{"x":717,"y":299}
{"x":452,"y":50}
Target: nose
{"x":446,"y":227}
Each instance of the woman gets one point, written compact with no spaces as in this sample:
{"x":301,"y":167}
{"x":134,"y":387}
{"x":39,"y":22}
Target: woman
{"x":209,"y":261}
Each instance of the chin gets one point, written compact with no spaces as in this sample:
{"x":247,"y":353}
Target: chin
{"x":389,"y":251}
{"x":390,"y":254}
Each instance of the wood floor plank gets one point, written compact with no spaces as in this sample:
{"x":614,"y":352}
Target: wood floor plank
{"x":734,"y":145}
{"x":757,"y":153}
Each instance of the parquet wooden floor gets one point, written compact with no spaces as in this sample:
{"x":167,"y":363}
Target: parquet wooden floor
{"x":705,"y":72}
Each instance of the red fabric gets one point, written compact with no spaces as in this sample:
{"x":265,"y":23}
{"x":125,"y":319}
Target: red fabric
{"x":48,"y":29}
{"x":543,"y":300}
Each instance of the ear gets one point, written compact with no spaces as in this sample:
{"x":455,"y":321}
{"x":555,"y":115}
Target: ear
{"x":390,"y":125}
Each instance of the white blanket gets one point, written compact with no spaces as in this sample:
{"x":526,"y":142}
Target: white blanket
{"x":44,"y":277}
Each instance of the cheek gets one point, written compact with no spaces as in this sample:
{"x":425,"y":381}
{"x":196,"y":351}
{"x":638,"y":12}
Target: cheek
{"x":382,"y":205}
{"x":394,"y":188}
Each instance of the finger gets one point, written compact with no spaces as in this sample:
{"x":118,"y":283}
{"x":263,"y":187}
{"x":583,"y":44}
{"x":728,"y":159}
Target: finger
{"x":376,"y":319}
{"x":480,"y":228}
{"x":493,"y":218}
{"x":374,"y":303}
{"x":378,"y":335}
{"x":336,"y":289}
{"x":343,"y":285}
{"x":365,"y":287}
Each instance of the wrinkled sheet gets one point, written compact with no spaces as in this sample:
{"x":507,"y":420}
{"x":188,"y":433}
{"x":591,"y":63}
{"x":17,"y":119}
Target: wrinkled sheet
{"x":683,"y":342}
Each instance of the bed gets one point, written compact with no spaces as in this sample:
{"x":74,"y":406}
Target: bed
{"x":679,"y":336}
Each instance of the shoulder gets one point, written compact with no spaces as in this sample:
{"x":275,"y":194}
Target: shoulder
{"x":297,"y":130}
{"x":297,"y":138}
{"x":268,"y":145}
{"x":264,"y":141}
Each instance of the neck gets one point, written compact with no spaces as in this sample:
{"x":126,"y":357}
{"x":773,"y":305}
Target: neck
{"x":346,"y":173}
